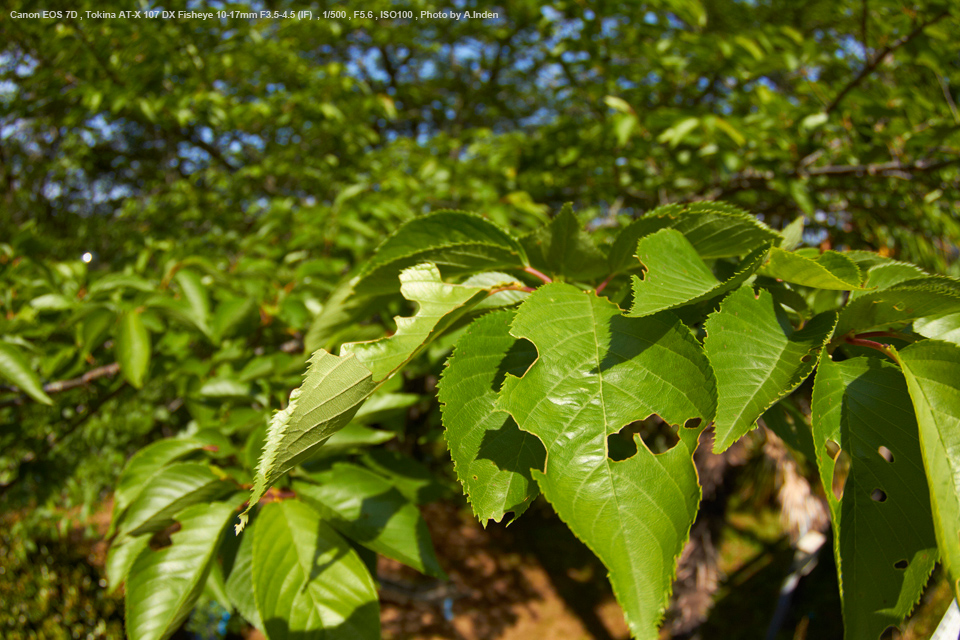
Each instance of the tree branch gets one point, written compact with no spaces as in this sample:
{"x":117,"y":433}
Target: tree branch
{"x":65,"y":385}
{"x":881,"y":55}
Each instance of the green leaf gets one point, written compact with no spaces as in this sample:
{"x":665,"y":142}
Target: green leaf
{"x":231,"y":314}
{"x":900,"y":304}
{"x":439,"y":305}
{"x":792,"y":235}
{"x":830,"y":270}
{"x":715,"y":229}
{"x":791,"y":426}
{"x":676,"y":275}
{"x":884,"y":276}
{"x":164,"y":585}
{"x":456,"y":241}
{"x":944,"y":327}
{"x":758,"y":358}
{"x":15,"y":370}
{"x":307,"y":581}
{"x":365,"y":507}
{"x":239,"y":583}
{"x":491,"y":456}
{"x":196,"y":297}
{"x":332,"y":392}
{"x":94,"y":328}
{"x":932,"y":370}
{"x":412,"y":479}
{"x":884,"y":542}
{"x":170,"y":490}
{"x":144,"y":464}
{"x":562,"y":247}
{"x":336,"y":386}
{"x":598,"y":371}
{"x":123,"y":552}
{"x":225,"y":389}
{"x":133,"y":348}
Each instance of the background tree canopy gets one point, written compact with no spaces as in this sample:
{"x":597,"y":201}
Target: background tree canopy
{"x":182,"y":196}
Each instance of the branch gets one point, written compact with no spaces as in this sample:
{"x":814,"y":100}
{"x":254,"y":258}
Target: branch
{"x":881,"y":55}
{"x":65,"y":385}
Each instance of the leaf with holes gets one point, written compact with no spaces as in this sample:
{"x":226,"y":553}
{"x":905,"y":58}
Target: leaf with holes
{"x":491,"y":455}
{"x":336,"y":386}
{"x":367,"y":508}
{"x":932,"y":369}
{"x":597,"y":372}
{"x":164,"y":585}
{"x":884,"y":542}
{"x":900,"y":304}
{"x":676,"y":275}
{"x":759,"y":358}
{"x":307,"y":581}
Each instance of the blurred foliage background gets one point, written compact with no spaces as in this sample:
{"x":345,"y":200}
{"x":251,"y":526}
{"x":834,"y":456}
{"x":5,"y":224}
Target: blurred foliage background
{"x":180,"y":196}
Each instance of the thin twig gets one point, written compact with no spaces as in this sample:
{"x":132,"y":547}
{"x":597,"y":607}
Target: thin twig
{"x":65,"y":385}
{"x":881,"y":55}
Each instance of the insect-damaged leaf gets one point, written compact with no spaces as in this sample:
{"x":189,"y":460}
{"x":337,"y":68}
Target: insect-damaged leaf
{"x":491,"y":455}
{"x":883,"y":537}
{"x":336,"y":386}
{"x":598,"y":371}
{"x":932,"y":370}
{"x":677,"y":276}
{"x":762,"y":358}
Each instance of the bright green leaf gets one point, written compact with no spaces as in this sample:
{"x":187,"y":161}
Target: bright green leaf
{"x":133,"y":348}
{"x":597,"y":372}
{"x":676,"y":276}
{"x":932,"y":370}
{"x":491,"y":456}
{"x":164,"y":585}
{"x":884,"y":542}
{"x":307,"y":581}
{"x":170,"y":490}
{"x":365,"y":507}
{"x":758,"y":358}
{"x":715,"y":229}
{"x":15,"y":370}
{"x":562,"y":247}
{"x":831,"y":270}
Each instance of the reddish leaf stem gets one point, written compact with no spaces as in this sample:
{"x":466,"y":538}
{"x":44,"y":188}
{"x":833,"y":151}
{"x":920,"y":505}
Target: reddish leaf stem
{"x":603,"y":285}
{"x":534,"y":272}
{"x":870,"y":344}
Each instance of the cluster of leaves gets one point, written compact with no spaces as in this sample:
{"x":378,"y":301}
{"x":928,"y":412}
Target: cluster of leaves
{"x":690,"y":316}
{"x":844,"y":110}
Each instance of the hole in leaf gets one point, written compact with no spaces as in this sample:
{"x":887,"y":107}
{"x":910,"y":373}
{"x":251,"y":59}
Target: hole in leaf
{"x":621,"y":445}
{"x":692,"y":423}
{"x":841,"y":469}
{"x":890,"y":633}
{"x":885,"y":453}
{"x":161,"y":538}
{"x":902,"y":564}
{"x":806,"y":358}
{"x":643,"y":270}
{"x":832,"y":449}
{"x":878,"y":495}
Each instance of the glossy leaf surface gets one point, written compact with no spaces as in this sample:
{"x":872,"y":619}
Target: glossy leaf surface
{"x":491,"y":455}
{"x":758,"y":357}
{"x":884,"y":542}
{"x":307,"y":581}
{"x":597,"y":372}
